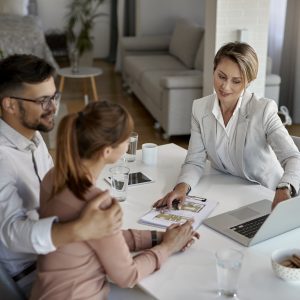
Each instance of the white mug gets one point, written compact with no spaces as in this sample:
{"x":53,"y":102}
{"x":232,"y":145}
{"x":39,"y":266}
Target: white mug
{"x":149,"y":153}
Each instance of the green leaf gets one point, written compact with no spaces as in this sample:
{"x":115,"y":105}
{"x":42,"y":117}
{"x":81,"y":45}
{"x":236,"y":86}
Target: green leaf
{"x":81,"y":18}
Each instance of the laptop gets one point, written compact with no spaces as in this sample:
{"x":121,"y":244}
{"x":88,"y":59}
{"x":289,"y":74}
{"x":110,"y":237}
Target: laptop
{"x":255,"y":222}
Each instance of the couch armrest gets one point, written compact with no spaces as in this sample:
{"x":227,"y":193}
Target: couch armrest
{"x":182,"y":81}
{"x":146,"y":43}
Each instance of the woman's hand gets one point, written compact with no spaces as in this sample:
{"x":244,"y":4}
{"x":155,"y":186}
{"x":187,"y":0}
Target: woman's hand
{"x":179,"y":237}
{"x":281,"y":195}
{"x":196,"y":235}
{"x":179,"y":193}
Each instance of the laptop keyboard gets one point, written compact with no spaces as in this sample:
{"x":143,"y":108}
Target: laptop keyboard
{"x":249,"y":228}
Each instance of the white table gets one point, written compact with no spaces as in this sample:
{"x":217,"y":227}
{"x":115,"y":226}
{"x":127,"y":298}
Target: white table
{"x":83,"y":73}
{"x":192,"y":275}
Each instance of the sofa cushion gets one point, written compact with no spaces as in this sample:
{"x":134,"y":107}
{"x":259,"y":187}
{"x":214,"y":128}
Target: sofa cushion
{"x":150,"y":85}
{"x":183,"y":80}
{"x":199,"y":60}
{"x":152,"y":82}
{"x":185,"y":42}
{"x":136,"y":66}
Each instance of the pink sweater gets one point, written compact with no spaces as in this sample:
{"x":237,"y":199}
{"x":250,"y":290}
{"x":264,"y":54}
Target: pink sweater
{"x":79,"y":270}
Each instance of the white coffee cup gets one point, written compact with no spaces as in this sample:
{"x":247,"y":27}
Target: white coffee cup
{"x":149,"y":154}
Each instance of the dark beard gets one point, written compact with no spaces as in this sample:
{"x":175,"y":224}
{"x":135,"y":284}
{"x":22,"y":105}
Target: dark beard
{"x":38,"y":126}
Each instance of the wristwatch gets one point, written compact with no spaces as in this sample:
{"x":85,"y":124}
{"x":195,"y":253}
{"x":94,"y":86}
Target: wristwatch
{"x":286,"y":185}
{"x":188,"y":191}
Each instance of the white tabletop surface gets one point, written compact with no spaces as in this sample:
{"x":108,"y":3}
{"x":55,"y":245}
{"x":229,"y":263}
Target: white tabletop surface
{"x":83,"y":72}
{"x":192,"y":274}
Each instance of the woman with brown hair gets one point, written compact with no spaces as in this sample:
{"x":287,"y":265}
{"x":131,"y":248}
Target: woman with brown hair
{"x":86,"y":142}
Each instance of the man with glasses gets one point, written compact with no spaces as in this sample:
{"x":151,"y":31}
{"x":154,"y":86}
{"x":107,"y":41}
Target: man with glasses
{"x":28,"y":101}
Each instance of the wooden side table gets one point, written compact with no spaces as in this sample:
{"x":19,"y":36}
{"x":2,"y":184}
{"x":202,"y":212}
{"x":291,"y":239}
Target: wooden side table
{"x":83,"y":72}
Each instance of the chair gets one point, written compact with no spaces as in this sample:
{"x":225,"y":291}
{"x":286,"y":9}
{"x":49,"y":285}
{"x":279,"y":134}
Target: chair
{"x":9,"y":290}
{"x":296,"y":140}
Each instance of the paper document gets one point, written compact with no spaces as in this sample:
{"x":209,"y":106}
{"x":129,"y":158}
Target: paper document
{"x":196,"y":208}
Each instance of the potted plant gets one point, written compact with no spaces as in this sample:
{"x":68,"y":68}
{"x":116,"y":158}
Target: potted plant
{"x":80,"y":23}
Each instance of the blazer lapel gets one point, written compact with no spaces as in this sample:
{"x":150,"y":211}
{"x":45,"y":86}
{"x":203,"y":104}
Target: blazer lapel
{"x":209,"y":127}
{"x":241,"y":131}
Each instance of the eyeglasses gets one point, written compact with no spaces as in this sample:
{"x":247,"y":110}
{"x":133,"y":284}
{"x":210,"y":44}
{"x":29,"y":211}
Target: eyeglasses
{"x":45,"y":101}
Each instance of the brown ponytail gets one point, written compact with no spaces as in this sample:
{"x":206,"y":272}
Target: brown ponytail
{"x":82,"y":136}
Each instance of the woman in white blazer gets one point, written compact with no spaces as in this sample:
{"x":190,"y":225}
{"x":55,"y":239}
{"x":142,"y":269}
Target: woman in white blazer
{"x":239,"y":133}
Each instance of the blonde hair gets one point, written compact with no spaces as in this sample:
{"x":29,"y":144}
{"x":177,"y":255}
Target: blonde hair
{"x":82,"y":136}
{"x":242,"y":54}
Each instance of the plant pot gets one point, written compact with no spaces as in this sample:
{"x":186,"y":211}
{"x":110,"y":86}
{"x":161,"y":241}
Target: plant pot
{"x":86,"y":59}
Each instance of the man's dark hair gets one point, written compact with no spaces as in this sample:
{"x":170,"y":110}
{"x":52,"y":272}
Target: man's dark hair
{"x":22,"y":68}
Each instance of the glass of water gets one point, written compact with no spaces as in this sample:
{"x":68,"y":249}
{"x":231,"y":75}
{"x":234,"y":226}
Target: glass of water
{"x":229,"y":262}
{"x":119,"y":182}
{"x":132,"y":146}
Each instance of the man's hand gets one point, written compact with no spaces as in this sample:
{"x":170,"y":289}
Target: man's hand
{"x":93,"y":223}
{"x":281,"y":195}
{"x":179,"y":193}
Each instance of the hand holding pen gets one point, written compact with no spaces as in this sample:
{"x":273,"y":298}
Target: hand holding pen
{"x":176,"y":205}
{"x":178,"y":195}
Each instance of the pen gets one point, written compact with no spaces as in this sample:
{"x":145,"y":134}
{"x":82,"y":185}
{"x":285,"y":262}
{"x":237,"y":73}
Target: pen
{"x":197,"y":198}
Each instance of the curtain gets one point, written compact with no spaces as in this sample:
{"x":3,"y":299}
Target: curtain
{"x":276,"y":32}
{"x":126,"y":12}
{"x":129,"y":18}
{"x":290,"y":69}
{"x":113,"y":31}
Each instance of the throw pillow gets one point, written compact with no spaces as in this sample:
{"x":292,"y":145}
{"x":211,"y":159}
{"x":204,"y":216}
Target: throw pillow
{"x":185,"y":42}
{"x":199,"y":60}
{"x":14,"y":7}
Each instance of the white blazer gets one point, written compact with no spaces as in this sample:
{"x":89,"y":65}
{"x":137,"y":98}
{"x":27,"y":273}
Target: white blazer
{"x":262,"y":152}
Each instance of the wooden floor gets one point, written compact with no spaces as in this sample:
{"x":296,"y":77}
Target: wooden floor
{"x":109,"y":87}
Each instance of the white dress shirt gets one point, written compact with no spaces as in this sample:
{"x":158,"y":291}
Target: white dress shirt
{"x":22,"y":234}
{"x":225,"y":135}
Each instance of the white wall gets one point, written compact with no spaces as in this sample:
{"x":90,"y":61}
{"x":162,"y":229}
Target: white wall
{"x":159,"y":16}
{"x":231,"y":15}
{"x":53,"y":12}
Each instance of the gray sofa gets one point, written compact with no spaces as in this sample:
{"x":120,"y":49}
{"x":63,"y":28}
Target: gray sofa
{"x":166,"y":74}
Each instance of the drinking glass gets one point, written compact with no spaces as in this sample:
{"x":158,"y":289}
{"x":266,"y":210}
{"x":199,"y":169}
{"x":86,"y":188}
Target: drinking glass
{"x":229,"y":262}
{"x":131,"y":152}
{"x":119,"y":182}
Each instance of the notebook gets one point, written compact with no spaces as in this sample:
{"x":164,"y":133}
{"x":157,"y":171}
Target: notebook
{"x":255,"y":222}
{"x":194,"y":207}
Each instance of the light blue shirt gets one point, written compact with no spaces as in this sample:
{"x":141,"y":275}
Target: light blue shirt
{"x":22,"y":234}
